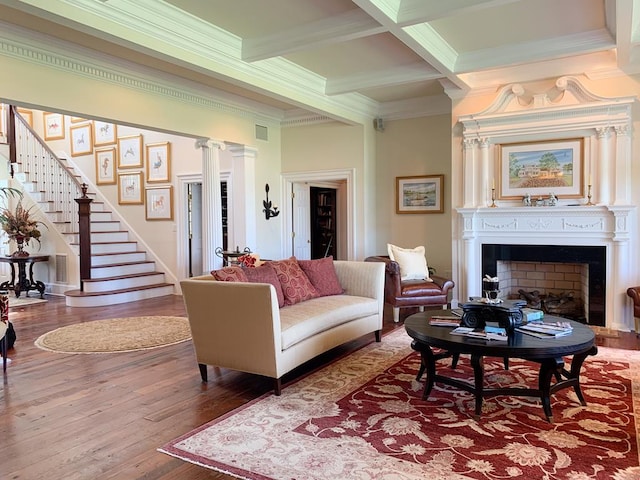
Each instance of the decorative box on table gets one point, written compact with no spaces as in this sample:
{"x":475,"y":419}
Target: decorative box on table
{"x":507,"y":313}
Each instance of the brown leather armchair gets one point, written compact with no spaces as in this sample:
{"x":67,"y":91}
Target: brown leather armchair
{"x":411,"y":293}
{"x":634,"y":293}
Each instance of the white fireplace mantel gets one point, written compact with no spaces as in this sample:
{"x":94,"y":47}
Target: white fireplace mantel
{"x":568,"y":110}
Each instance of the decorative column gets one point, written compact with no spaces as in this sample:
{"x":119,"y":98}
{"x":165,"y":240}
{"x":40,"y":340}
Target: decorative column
{"x":244,"y":193}
{"x":486,"y":179}
{"x":622,"y":192}
{"x":211,"y":203}
{"x":467,"y":167}
{"x":603,"y":174}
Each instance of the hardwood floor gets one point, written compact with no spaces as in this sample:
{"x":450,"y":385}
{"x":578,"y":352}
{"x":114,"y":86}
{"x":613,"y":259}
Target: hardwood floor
{"x":103,"y":416}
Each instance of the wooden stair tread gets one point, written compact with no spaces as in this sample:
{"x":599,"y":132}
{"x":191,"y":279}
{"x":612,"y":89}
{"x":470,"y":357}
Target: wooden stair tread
{"x":78,"y":293}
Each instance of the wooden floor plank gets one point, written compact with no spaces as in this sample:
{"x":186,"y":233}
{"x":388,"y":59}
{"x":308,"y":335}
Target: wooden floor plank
{"x":102,"y":417}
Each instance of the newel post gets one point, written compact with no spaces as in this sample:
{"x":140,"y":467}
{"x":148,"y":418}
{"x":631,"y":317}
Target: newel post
{"x":84,"y":229}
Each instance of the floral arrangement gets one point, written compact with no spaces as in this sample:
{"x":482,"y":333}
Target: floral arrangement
{"x":249,"y":260}
{"x":20,"y":223}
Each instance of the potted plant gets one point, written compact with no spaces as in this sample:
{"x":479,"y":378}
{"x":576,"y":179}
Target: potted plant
{"x":20,"y":226}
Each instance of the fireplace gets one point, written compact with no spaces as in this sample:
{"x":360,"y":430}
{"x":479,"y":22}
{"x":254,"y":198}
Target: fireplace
{"x":593,"y":257}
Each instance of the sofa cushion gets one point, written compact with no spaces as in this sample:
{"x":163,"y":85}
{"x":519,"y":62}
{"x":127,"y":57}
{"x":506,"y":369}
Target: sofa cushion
{"x":266,"y":274}
{"x":322,"y":275}
{"x":295,"y":284}
{"x":412,"y":262}
{"x":420,"y":288}
{"x":303,"y":320}
{"x":229,"y":274}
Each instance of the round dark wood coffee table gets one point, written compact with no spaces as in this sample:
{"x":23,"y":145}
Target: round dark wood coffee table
{"x":548,"y":353}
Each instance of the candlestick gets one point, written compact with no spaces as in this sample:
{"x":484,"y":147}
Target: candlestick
{"x":493,"y":184}
{"x":493,"y":198}
{"x":589,"y":196}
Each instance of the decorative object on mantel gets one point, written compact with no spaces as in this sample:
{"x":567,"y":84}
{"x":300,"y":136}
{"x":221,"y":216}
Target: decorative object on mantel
{"x":268,"y":211}
{"x":589,"y":203}
{"x":21,"y":227}
{"x":493,"y":194}
{"x":552,"y":201}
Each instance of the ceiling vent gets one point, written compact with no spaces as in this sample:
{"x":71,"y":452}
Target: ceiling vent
{"x":262,"y":132}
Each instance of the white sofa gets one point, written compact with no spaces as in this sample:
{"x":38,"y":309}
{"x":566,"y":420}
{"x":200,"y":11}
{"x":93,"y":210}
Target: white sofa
{"x":239,"y":326}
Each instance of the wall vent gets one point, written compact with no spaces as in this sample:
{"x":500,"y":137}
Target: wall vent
{"x":262,"y":132}
{"x":61,"y":268}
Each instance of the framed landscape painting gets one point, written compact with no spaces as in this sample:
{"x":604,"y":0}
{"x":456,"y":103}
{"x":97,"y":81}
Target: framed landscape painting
{"x":420,"y":194}
{"x":541,"y":168}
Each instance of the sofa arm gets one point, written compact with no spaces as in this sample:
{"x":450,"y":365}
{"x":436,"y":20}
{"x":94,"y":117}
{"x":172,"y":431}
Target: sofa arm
{"x":234,"y":325}
{"x":445,"y":284}
{"x":361,"y":279}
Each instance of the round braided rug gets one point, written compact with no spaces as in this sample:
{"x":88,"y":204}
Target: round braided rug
{"x":116,"y":335}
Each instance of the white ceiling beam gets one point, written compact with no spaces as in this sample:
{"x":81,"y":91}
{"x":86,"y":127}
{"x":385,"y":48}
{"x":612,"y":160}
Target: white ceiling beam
{"x":557,"y":47}
{"x":411,"y":12}
{"x":619,"y":17}
{"x":418,"y":72}
{"x":340,"y":28}
{"x":422,"y":39}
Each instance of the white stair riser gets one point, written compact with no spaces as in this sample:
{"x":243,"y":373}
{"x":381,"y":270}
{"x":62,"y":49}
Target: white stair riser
{"x":114,"y":247}
{"x":132,"y":282}
{"x":117,"y":270}
{"x":115,"y":299}
{"x":110,"y":226}
{"x":99,"y":237}
{"x":99,"y":260}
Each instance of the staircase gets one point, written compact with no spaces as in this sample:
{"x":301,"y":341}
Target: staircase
{"x":120,"y":271}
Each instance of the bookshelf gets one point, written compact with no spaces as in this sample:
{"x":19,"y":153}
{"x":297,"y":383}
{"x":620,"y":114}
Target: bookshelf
{"x":323,"y":222}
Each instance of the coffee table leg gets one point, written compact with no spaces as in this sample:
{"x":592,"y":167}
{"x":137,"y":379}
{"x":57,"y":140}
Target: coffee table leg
{"x":429,"y":362}
{"x":576,"y":365}
{"x":548,"y":368}
{"x":478,"y":374}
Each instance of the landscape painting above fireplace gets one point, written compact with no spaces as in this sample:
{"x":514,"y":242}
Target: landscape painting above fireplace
{"x":541,"y":168}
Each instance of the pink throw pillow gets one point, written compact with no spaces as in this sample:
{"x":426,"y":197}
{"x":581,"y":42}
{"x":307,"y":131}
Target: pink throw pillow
{"x":266,"y":274}
{"x":230,"y":274}
{"x":322,"y":275}
{"x":295,"y":284}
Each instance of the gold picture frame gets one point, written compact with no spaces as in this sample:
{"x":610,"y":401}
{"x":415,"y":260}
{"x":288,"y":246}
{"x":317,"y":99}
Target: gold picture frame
{"x":104,"y":133}
{"x":130,"y":151}
{"x":105,"y":166}
{"x":130,"y":188}
{"x":159,"y":203}
{"x":53,"y":126}
{"x":540,"y":168}
{"x":420,"y":194}
{"x":158,"y":157}
{"x":81,"y":139}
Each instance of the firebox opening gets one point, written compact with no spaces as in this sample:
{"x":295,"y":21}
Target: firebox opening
{"x":570,"y":279}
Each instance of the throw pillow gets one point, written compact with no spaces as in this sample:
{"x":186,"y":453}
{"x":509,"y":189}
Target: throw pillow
{"x":412,"y":262}
{"x":322,"y":275}
{"x":295,"y":284}
{"x":266,"y":274}
{"x":230,"y":274}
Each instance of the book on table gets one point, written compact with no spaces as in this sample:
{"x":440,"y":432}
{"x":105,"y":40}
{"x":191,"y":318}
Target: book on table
{"x":546,"y":330}
{"x":488,"y":333}
{"x":444,"y":320}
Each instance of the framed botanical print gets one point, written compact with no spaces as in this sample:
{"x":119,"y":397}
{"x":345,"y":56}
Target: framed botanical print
{"x":81,"y":139}
{"x":105,"y":166}
{"x":158,"y":162}
{"x":130,"y":151}
{"x":104,"y":133}
{"x":53,"y":126}
{"x":159,"y":203}
{"x":130,"y":188}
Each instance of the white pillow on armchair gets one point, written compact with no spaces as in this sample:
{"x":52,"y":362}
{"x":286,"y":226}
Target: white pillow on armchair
{"x":412,"y":262}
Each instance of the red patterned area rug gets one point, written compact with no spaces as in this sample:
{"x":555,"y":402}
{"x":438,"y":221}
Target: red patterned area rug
{"x":362,"y":417}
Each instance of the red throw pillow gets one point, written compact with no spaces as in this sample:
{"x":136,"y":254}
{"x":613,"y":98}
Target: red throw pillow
{"x":266,"y":274}
{"x":295,"y":284}
{"x":322,"y":275}
{"x":230,"y":274}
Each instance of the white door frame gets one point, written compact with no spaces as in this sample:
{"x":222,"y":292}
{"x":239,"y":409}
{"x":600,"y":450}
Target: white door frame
{"x":288,"y":179}
{"x":182,"y":223}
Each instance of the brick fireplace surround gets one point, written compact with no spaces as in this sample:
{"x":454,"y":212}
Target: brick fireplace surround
{"x":483,"y":234}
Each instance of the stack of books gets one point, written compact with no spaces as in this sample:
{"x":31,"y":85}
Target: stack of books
{"x":444,"y":320}
{"x":532,"y":314}
{"x":546,"y":330}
